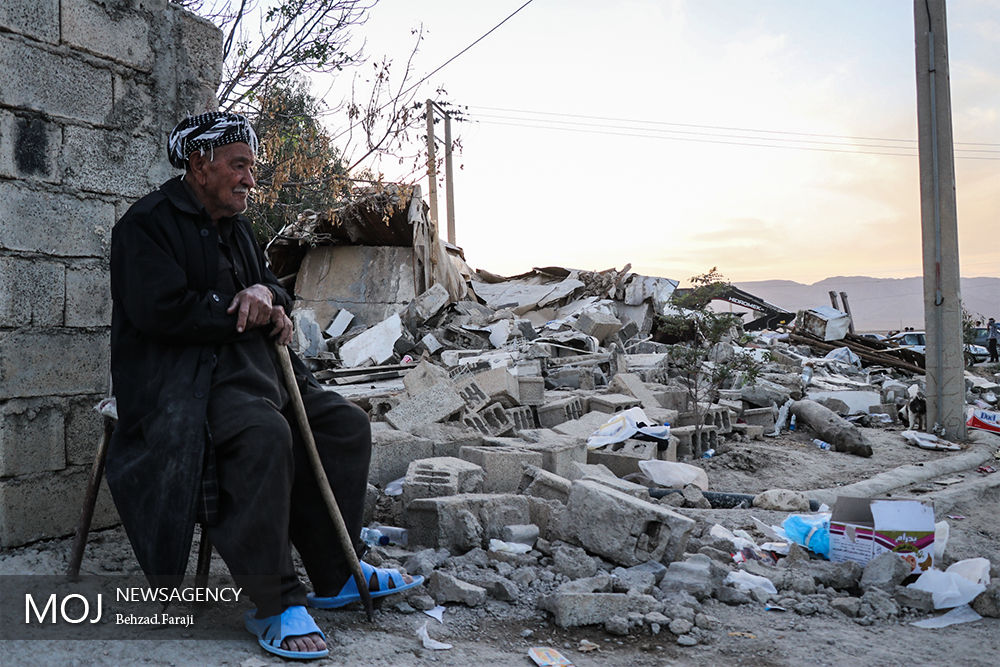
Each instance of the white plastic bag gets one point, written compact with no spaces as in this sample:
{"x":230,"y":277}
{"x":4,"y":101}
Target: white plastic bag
{"x":623,"y":425}
{"x":674,"y":475}
{"x":747,"y":582}
{"x":949,"y":589}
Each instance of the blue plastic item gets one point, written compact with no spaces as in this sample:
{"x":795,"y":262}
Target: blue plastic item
{"x":811,"y":531}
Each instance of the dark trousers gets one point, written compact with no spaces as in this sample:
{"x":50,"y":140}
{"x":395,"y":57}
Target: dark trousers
{"x":991,"y":345}
{"x":269,"y":497}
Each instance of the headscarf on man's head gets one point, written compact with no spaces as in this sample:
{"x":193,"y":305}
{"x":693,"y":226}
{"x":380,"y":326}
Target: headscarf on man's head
{"x":208,"y":131}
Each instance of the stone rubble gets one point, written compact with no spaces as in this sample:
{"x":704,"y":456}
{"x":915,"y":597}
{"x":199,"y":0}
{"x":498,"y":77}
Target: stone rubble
{"x":505,"y":503}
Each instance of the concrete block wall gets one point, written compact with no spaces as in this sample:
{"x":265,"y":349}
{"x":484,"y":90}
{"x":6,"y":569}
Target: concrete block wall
{"x":89,"y":90}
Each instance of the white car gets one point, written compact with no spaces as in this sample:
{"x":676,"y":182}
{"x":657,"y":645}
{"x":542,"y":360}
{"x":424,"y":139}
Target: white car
{"x":917,"y":341}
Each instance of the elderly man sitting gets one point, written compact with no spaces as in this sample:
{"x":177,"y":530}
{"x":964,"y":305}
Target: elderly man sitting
{"x":205,"y":427}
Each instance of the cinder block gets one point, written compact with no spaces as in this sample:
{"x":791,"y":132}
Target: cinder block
{"x":622,"y":458}
{"x":201,"y":42}
{"x":531,"y":390}
{"x":423,"y":376}
{"x":392,"y":452}
{"x":110,"y":161}
{"x":88,"y":296}
{"x":46,"y":505}
{"x":597,"y":324}
{"x":763,"y":417}
{"x":632,"y":385}
{"x":522,"y":418}
{"x":503,"y":465}
{"x":612,"y":403}
{"x":500,"y":386}
{"x":29,"y":150}
{"x":621,"y":528}
{"x":449,"y":437}
{"x":629,"y":488}
{"x":673,"y":398}
{"x":694,"y":441}
{"x":73,"y":227}
{"x":557,"y":412}
{"x":34,"y":18}
{"x":431,"y":405}
{"x":466,"y":521}
{"x":583,"y":427}
{"x":121,"y":34}
{"x":31,"y":292}
{"x":83,"y":428}
{"x":73,"y":88}
{"x":544,"y":484}
{"x":475,"y":398}
{"x":559,"y":452}
{"x":31,"y":437}
{"x":752,"y":431}
{"x":430,"y":302}
{"x":47,"y":362}
{"x":441,"y":476}
{"x":490,"y":421}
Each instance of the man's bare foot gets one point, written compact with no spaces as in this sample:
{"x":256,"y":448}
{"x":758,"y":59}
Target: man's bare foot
{"x":304,"y":643}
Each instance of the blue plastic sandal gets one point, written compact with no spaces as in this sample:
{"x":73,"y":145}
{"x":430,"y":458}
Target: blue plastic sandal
{"x":389,"y":582}
{"x":293,"y":622}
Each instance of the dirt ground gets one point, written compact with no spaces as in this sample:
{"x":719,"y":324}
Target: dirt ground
{"x":501,"y":633}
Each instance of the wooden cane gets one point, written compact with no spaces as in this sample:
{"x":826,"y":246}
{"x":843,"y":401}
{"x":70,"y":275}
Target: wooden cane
{"x":324,"y":484}
{"x":87,"y":513}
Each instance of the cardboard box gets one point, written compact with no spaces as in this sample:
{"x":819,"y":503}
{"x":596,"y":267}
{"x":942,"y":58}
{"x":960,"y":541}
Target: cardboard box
{"x":862,"y":528}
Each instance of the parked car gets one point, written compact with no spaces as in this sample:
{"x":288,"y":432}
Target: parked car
{"x":917,"y":341}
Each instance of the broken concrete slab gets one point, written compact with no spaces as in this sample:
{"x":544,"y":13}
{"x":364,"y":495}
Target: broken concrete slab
{"x":446,"y":587}
{"x":500,"y":386}
{"x":632,"y":385}
{"x":430,"y":302}
{"x":622,"y":528}
{"x":392,"y":452}
{"x":574,"y":609}
{"x":503,"y":465}
{"x":541,"y":483}
{"x":340,"y":323}
{"x":559,"y":452}
{"x":583,"y":426}
{"x":375,"y":345}
{"x":466,"y":521}
{"x":448,"y":438}
{"x":598,"y":324}
{"x":435,"y":404}
{"x":423,"y":376}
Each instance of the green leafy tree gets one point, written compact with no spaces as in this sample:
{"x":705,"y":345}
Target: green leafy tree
{"x":704,"y":362}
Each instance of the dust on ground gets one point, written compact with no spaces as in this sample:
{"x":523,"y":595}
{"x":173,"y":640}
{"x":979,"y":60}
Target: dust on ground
{"x":501,"y":633}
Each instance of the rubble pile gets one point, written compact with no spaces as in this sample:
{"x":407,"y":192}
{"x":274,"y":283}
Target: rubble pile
{"x":491,"y":420}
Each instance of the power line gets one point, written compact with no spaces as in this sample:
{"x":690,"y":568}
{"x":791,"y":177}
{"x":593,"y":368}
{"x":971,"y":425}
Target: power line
{"x":442,"y":65}
{"x":713,"y":127}
{"x":647,"y":135}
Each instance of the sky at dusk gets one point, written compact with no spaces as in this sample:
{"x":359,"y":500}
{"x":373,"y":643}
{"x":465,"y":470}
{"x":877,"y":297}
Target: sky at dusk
{"x":773,"y":139}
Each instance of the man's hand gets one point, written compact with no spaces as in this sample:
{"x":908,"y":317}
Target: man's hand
{"x":282,"y":331}
{"x":253,"y":306}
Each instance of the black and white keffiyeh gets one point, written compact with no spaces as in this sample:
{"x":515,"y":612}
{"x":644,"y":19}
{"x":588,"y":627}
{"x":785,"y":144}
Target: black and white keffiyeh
{"x":208,"y":131}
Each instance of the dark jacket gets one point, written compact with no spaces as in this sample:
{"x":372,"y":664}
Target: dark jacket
{"x":167,"y":324}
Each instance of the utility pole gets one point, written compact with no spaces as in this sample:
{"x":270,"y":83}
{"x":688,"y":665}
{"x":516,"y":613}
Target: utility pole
{"x":945,"y":361}
{"x":449,"y":172}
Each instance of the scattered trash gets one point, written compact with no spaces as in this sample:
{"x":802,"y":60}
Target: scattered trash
{"x":395,"y":487}
{"x":984,"y":420}
{"x":986,"y":470}
{"x":709,"y":453}
{"x":811,"y":531}
{"x":948,"y":588}
{"x":747,"y":582}
{"x":624,"y":425}
{"x":863,"y":528}
{"x":770,"y":607}
{"x":956,"y":517}
{"x":586,"y":646}
{"x":674,"y":475}
{"x":432,"y":644}
{"x":822,"y":444}
{"x":546,"y":656}
{"x":961,"y":614}
{"x":745,"y":635}
{"x":436,"y":613}
{"x":509,"y":547}
{"x":929,"y":441}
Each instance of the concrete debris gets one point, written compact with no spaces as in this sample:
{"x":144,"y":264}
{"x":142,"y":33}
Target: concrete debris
{"x":498,"y":389}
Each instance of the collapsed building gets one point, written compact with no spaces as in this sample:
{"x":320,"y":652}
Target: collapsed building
{"x":534,"y":439}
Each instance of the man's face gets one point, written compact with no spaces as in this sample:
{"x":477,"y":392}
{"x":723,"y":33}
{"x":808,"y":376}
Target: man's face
{"x":224,"y":183}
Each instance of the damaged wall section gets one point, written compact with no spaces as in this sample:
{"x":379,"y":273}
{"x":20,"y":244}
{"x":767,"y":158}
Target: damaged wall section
{"x":85,"y":109}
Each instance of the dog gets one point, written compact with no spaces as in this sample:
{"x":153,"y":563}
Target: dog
{"x":914,"y":411}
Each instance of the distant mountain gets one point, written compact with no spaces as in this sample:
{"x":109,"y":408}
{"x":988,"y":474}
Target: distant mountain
{"x":877,"y":304}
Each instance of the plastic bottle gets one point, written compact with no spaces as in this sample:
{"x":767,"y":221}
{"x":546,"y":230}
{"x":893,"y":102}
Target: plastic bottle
{"x":791,"y":423}
{"x":709,"y":453}
{"x":822,"y":444}
{"x":373,"y":537}
{"x":394,"y":534}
